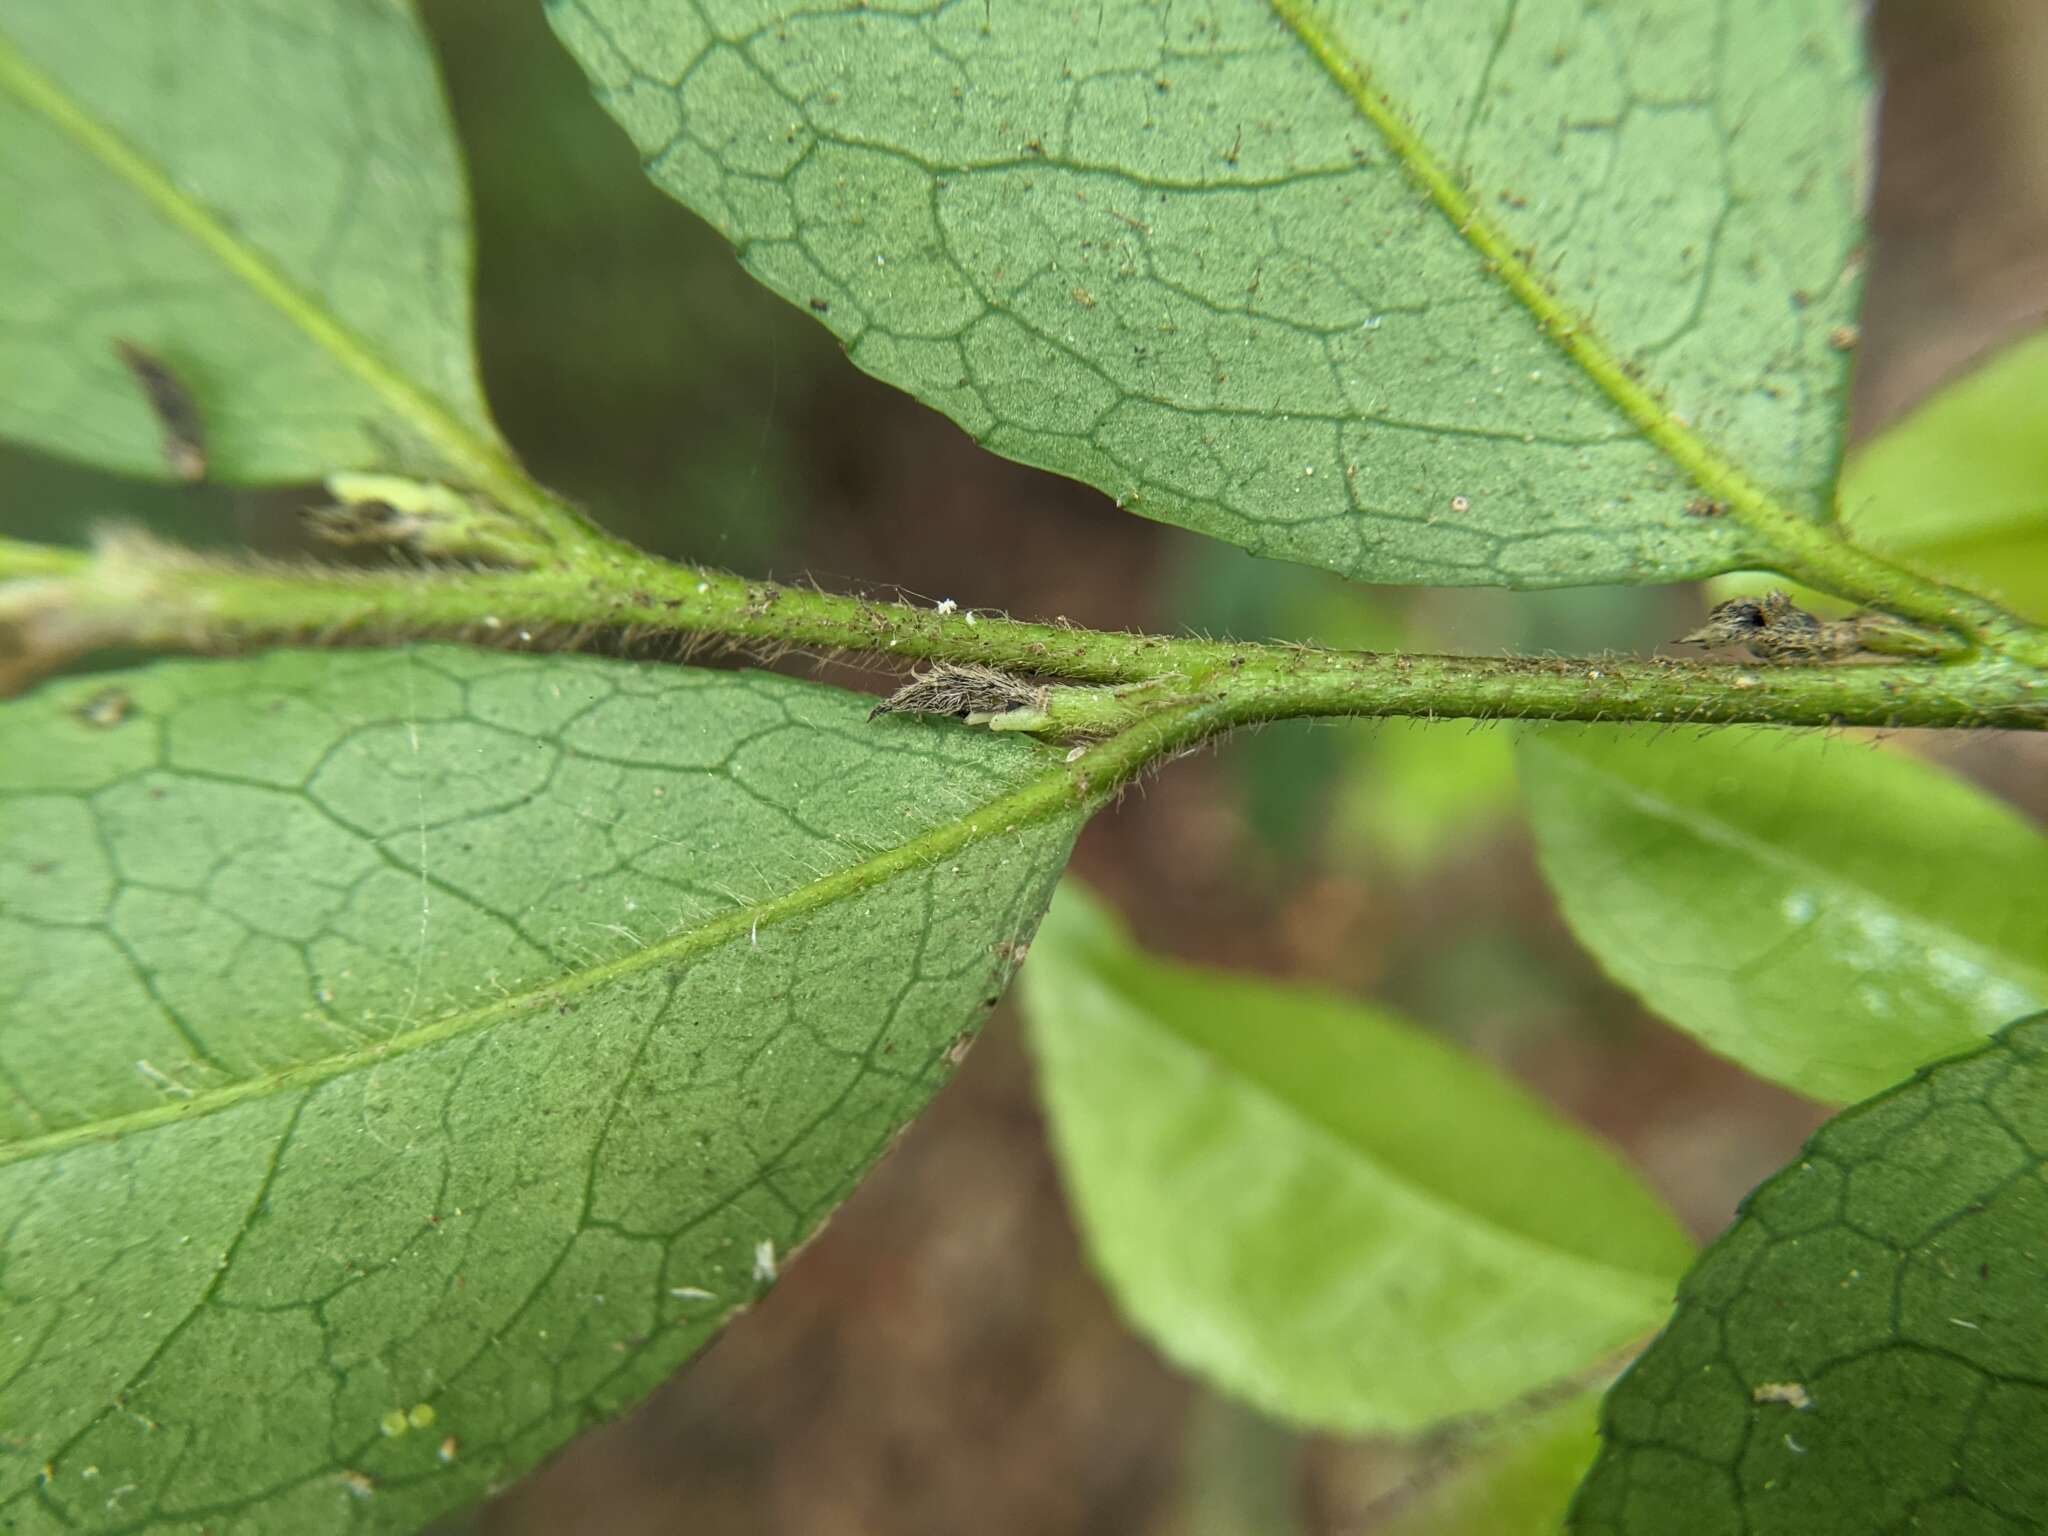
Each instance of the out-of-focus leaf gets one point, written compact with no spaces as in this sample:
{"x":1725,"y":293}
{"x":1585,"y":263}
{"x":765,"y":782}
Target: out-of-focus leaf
{"x":1828,"y":914}
{"x":1417,"y":791}
{"x":1866,"y":1349}
{"x":1517,"y":1485}
{"x":1332,"y":1215}
{"x":2012,"y":567}
{"x":1969,"y":462}
{"x":1410,"y":292}
{"x":1960,"y":486}
{"x":264,"y":197}
{"x":406,"y":1060}
{"x":1239,"y":1472}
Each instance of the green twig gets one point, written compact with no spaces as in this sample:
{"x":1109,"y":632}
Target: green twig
{"x":139,"y":592}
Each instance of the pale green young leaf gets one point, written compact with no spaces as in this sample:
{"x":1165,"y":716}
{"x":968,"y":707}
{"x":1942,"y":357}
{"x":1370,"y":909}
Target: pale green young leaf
{"x":1960,"y":486}
{"x":1827,"y":913}
{"x":409,"y":1059}
{"x":1337,"y":1218}
{"x":1517,"y":1484}
{"x":1865,"y":1350}
{"x":1969,"y":462}
{"x":266,"y":197}
{"x":1449,"y":294}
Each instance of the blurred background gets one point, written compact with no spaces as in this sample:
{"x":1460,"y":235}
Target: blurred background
{"x":940,"y":1359}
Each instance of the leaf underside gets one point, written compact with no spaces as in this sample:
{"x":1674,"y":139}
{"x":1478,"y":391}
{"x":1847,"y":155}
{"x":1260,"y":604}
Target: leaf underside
{"x":314,"y":141}
{"x":1258,"y":277}
{"x":1866,"y":1349}
{"x":1827,"y":913}
{"x":407,"y":1060}
{"x":1325,"y":1211}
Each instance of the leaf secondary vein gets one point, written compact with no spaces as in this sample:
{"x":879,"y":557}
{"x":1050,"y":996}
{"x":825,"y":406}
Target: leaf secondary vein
{"x":1079,"y":786}
{"x":472,"y":453}
{"x":1799,"y":546}
{"x":1749,"y":502}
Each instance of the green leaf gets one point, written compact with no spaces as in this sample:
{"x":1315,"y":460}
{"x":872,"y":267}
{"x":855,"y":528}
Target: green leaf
{"x":1334,"y":1216}
{"x":263,"y":196}
{"x":1517,"y":1486}
{"x":1968,"y":462}
{"x":1826,"y":913}
{"x":1416,"y":792}
{"x":1414,"y":293}
{"x":410,"y":1059}
{"x":1865,"y":1349}
{"x":1960,"y":486}
{"x":2012,"y":567}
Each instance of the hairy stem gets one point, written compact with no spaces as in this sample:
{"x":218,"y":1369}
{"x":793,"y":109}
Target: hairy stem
{"x":138,"y":592}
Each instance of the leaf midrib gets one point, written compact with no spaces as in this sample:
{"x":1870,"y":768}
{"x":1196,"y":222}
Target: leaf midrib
{"x":471,"y":453}
{"x":1747,"y":502}
{"x":1036,"y":801}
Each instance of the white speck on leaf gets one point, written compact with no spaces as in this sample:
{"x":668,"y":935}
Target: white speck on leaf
{"x":945,"y":605}
{"x":691,"y":1293}
{"x":163,"y":1080}
{"x":764,"y":1261}
{"x":1792,"y":1394}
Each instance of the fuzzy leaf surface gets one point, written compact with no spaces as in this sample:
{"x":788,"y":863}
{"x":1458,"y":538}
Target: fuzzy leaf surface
{"x":407,"y":1060}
